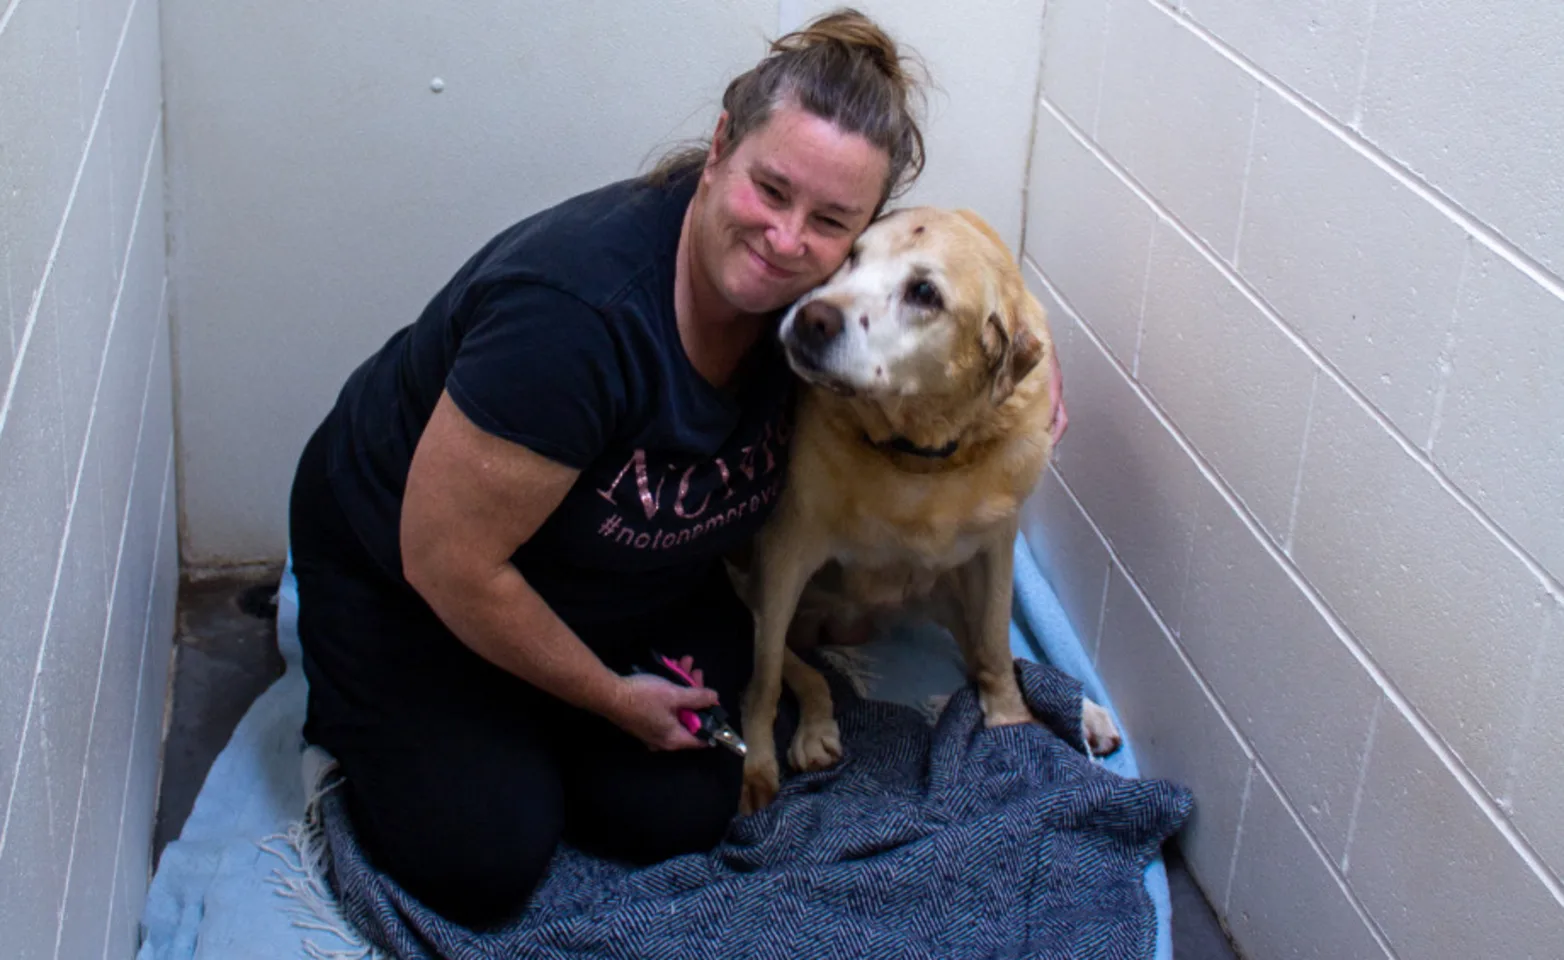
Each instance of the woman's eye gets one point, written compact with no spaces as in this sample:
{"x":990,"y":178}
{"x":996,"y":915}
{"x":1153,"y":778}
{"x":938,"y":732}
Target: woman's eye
{"x":921,"y":293}
{"x":772,"y":193}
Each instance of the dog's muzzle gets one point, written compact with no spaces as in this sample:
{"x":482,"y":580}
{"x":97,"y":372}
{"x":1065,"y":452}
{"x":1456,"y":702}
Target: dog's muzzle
{"x":816,"y":328}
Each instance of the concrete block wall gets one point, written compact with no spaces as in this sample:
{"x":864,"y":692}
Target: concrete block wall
{"x":320,"y":191}
{"x":315,"y":209}
{"x":1303,"y":260}
{"x":87,"y":543}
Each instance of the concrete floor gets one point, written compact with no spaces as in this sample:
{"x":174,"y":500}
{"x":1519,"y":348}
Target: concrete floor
{"x":227,"y":656}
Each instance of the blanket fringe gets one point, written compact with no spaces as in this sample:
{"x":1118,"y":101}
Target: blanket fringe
{"x":855,"y":664}
{"x":933,"y":706}
{"x":302,"y":877}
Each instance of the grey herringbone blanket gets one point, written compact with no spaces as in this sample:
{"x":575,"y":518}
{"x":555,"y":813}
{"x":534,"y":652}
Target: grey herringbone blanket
{"x":948,"y":842}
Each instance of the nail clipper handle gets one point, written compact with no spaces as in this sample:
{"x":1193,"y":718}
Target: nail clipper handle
{"x":691,"y":722}
{"x":689,"y":718}
{"x":673,"y":667}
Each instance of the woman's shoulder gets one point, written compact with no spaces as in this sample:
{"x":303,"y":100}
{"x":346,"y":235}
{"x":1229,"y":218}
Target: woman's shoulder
{"x":594,"y":245}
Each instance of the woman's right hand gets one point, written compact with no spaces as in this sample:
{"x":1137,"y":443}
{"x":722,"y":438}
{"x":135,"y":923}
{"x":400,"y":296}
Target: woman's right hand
{"x":647,"y":708}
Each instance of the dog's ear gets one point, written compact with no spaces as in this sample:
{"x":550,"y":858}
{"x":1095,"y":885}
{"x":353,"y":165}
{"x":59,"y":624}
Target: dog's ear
{"x":985,"y":229}
{"x":1012,"y":353}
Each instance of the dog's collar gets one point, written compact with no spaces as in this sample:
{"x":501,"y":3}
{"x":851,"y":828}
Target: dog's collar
{"x":901,"y":444}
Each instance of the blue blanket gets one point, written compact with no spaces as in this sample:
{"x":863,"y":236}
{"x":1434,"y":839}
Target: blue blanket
{"x":947,"y":842}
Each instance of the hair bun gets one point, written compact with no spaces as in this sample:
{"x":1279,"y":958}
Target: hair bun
{"x":842,"y":68}
{"x":850,"y":29}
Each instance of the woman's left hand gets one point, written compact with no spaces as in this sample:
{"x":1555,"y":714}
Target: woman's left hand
{"x":1061,"y":418}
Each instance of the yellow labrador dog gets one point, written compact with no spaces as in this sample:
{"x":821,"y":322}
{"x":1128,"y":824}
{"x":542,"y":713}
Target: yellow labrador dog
{"x":923,"y":425}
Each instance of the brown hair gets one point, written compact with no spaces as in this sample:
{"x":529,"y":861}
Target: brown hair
{"x":842,"y":68}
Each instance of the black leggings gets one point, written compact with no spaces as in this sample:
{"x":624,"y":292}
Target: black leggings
{"x":461,"y":778}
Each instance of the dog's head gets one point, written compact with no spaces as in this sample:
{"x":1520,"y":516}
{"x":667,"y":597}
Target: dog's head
{"x":929,"y":304}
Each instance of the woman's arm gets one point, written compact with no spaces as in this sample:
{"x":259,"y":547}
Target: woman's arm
{"x":471,"y":500}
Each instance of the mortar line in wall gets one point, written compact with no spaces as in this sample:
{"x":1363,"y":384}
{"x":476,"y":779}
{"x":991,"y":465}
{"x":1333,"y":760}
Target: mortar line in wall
{"x":1303,"y":456}
{"x":5,"y":18}
{"x":1102,"y":66}
{"x":1031,"y":134}
{"x":1330,"y":867}
{"x":43,"y":643}
{"x":1114,"y":563}
{"x":59,"y":388}
{"x":124,"y":530}
{"x":1484,"y":234}
{"x":1255,"y":766}
{"x":54,"y":592}
{"x":10,"y":292}
{"x":1145,"y":294}
{"x":1102,"y":609}
{"x":59,"y":235}
{"x":1256,"y":762}
{"x":1447,"y":353}
{"x":1357,"y":791}
{"x":135,"y":714}
{"x":1528,"y":711}
{"x":1464,"y":777}
{"x":1363,"y":67}
{"x":1238,"y":838}
{"x":92,"y":410}
{"x":1243,"y":190}
{"x":176,"y":396}
{"x":1554,"y":588}
{"x":1107,"y":571}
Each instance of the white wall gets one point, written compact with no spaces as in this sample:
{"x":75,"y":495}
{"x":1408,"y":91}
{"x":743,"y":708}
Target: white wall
{"x":982,"y":56}
{"x":1303,"y":259}
{"x":320,"y":192}
{"x":87,"y":547}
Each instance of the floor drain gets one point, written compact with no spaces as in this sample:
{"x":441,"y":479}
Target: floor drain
{"x":260,"y":601}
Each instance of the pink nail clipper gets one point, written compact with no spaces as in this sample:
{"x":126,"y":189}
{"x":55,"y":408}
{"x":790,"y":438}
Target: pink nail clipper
{"x":709,"y":725}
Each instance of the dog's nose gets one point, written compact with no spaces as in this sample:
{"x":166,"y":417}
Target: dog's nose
{"x":818,"y":324}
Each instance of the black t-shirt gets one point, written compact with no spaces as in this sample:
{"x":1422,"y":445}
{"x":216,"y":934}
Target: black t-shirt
{"x":560,"y":335}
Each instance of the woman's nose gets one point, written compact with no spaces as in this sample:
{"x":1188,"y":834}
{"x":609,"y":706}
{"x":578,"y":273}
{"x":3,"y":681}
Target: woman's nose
{"x":786,"y":237}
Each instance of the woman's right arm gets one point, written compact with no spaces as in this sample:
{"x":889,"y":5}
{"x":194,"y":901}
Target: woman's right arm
{"x":471,"y":500}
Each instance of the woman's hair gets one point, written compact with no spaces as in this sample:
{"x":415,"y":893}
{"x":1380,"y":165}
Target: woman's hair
{"x":842,"y":68}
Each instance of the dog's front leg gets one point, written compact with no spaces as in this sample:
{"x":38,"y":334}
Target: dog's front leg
{"x":987,"y":587}
{"x":817,"y":744}
{"x":785,"y":561}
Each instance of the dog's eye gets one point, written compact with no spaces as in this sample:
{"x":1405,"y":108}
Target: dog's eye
{"x":852,"y":256}
{"x":922,"y":293}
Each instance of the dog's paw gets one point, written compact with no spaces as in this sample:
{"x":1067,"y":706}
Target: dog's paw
{"x":816,"y":746}
{"x":762,"y":780}
{"x":1102,"y":736}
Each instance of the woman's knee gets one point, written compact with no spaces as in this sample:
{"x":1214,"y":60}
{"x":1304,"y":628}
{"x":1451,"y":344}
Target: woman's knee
{"x":649,"y":812}
{"x":463,"y":817}
{"x":476,"y":866}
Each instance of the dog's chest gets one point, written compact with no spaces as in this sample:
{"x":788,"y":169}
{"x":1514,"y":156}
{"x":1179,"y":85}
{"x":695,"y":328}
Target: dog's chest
{"x":888,"y":566}
{"x":916,"y":527}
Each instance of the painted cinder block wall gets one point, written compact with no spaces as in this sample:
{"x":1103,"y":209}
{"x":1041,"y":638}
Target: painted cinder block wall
{"x":87,"y":545}
{"x":320,"y":191}
{"x":1303,"y":259}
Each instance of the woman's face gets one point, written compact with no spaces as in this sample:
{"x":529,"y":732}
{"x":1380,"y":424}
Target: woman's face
{"x":782,"y":209}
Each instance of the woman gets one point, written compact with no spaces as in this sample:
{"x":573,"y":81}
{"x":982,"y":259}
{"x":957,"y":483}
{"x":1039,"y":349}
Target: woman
{"x":530,"y":488}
